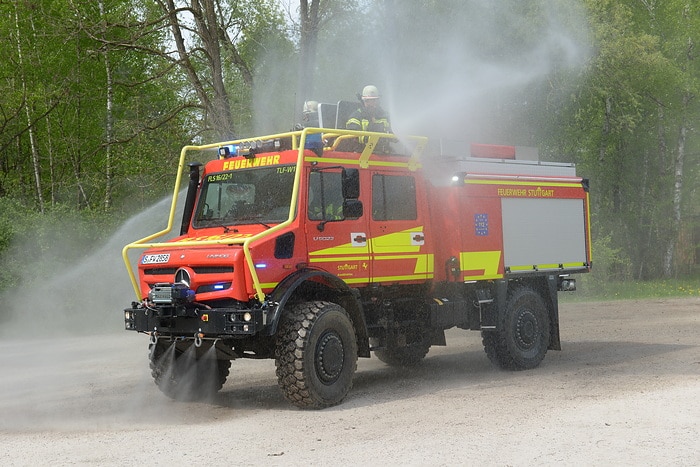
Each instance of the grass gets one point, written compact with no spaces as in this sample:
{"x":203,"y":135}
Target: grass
{"x":591,"y":290}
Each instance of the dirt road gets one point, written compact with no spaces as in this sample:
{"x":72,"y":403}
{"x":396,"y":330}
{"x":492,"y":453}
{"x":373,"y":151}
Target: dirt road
{"x":625,"y":390}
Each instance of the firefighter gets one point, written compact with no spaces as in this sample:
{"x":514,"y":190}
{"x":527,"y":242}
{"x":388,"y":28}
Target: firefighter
{"x":370,"y":117}
{"x":310,"y":114}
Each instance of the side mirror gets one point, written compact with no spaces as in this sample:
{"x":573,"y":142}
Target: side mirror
{"x":352,"y":209}
{"x":351,"y":183}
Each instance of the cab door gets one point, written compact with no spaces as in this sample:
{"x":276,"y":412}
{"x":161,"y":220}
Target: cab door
{"x":336,"y":243}
{"x":397,"y":229}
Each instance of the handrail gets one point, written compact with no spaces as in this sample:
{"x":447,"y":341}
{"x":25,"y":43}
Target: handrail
{"x":298,"y":143}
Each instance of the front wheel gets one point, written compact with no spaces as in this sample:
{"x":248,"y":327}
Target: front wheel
{"x":521,"y":338}
{"x":183,"y":371}
{"x":316,"y":355}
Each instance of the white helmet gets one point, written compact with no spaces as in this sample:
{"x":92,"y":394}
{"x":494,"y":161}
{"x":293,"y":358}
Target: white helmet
{"x":310,"y":106}
{"x":370,"y":92}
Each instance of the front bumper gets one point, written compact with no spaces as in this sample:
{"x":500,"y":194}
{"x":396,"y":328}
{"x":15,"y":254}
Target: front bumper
{"x":193,"y":321}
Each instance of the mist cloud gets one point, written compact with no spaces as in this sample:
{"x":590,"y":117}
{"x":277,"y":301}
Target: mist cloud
{"x":449,"y":67}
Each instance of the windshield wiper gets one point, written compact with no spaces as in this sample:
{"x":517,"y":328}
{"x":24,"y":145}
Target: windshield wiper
{"x":251,"y":218}
{"x":218,"y":222}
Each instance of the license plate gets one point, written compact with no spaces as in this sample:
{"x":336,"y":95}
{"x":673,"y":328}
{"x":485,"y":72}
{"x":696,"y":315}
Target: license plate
{"x":155,"y":259}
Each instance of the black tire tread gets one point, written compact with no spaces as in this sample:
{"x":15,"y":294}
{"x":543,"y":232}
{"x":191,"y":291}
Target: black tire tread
{"x":498,"y":344}
{"x":177,"y":382}
{"x":294,"y":375}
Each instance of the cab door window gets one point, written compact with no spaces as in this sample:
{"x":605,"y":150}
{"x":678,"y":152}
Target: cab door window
{"x":325,"y":196}
{"x":393,"y":197}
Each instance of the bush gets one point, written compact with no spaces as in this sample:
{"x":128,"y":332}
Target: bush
{"x":33,"y":245}
{"x":609,"y":265}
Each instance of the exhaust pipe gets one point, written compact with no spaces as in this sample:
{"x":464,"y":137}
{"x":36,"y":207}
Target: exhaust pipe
{"x":191,"y":194}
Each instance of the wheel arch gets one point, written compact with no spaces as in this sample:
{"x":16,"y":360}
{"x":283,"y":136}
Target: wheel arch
{"x":315,"y":284}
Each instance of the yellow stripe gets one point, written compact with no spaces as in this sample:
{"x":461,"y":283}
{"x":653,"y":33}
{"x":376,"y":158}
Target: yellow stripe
{"x":396,"y":242}
{"x":483,"y":277}
{"x":346,"y":249}
{"x":588,"y":228}
{"x":372,"y":162}
{"x":355,"y":281}
{"x":532,"y":267}
{"x":425,"y":265}
{"x":470,"y":181}
{"x":487,"y":261}
{"x":331,"y":259}
{"x":401,"y":278}
{"x":574,"y":265}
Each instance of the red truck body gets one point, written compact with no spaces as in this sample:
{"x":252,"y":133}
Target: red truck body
{"x":294,"y":249}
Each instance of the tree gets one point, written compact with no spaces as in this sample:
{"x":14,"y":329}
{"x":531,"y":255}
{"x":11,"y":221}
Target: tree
{"x":626,"y":124}
{"x":206,"y":33}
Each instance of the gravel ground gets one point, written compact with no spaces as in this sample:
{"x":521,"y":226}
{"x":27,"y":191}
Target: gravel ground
{"x":625,"y":390}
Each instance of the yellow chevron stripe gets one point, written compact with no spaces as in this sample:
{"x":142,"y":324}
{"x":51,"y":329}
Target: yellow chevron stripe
{"x":425,"y":265}
{"x":396,"y":242}
{"x":486,"y":261}
{"x":382,"y":244}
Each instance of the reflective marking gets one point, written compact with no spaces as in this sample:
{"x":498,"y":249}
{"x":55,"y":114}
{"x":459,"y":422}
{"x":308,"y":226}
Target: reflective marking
{"x":480,"y":264}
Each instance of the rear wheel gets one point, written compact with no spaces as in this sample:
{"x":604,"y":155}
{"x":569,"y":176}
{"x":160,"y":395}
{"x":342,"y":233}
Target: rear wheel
{"x":185,"y":372}
{"x":521,"y":338}
{"x":316,"y":355}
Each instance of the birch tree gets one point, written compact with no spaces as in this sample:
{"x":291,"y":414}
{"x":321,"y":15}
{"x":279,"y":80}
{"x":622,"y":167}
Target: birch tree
{"x":36,"y":166}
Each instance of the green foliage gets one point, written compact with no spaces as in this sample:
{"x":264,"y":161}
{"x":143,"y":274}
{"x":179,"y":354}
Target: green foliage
{"x":609,"y":264}
{"x":636,"y":290}
{"x":621,"y":122}
{"x":34,"y":245}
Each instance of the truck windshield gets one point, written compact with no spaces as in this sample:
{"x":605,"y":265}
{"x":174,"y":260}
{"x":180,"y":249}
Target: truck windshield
{"x":245,"y":196}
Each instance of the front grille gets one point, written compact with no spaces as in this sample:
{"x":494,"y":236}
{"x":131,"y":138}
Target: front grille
{"x":212,"y":269}
{"x":197,"y":269}
{"x":159,"y":271}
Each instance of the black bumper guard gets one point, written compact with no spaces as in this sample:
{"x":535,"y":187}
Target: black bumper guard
{"x":177,"y":321}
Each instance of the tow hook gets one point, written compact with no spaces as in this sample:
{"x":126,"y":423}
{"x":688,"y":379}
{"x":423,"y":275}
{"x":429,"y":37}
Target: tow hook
{"x":198,"y":340}
{"x":154,"y":338}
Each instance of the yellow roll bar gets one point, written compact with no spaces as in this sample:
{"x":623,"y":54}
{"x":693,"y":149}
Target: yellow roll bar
{"x":298,"y":143}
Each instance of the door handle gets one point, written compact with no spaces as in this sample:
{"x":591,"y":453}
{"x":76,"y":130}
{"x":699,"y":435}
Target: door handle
{"x":418,"y":239}
{"x":358,"y":239}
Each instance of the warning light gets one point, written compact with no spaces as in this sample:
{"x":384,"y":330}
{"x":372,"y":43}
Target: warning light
{"x":205,"y":317}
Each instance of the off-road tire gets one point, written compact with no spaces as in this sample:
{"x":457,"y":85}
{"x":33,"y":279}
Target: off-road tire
{"x":521,"y":337}
{"x":187,"y":374}
{"x":403,"y":356}
{"x":316,"y":355}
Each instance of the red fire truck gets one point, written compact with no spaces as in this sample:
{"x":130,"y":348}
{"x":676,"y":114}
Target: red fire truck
{"x":293,"y":248}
